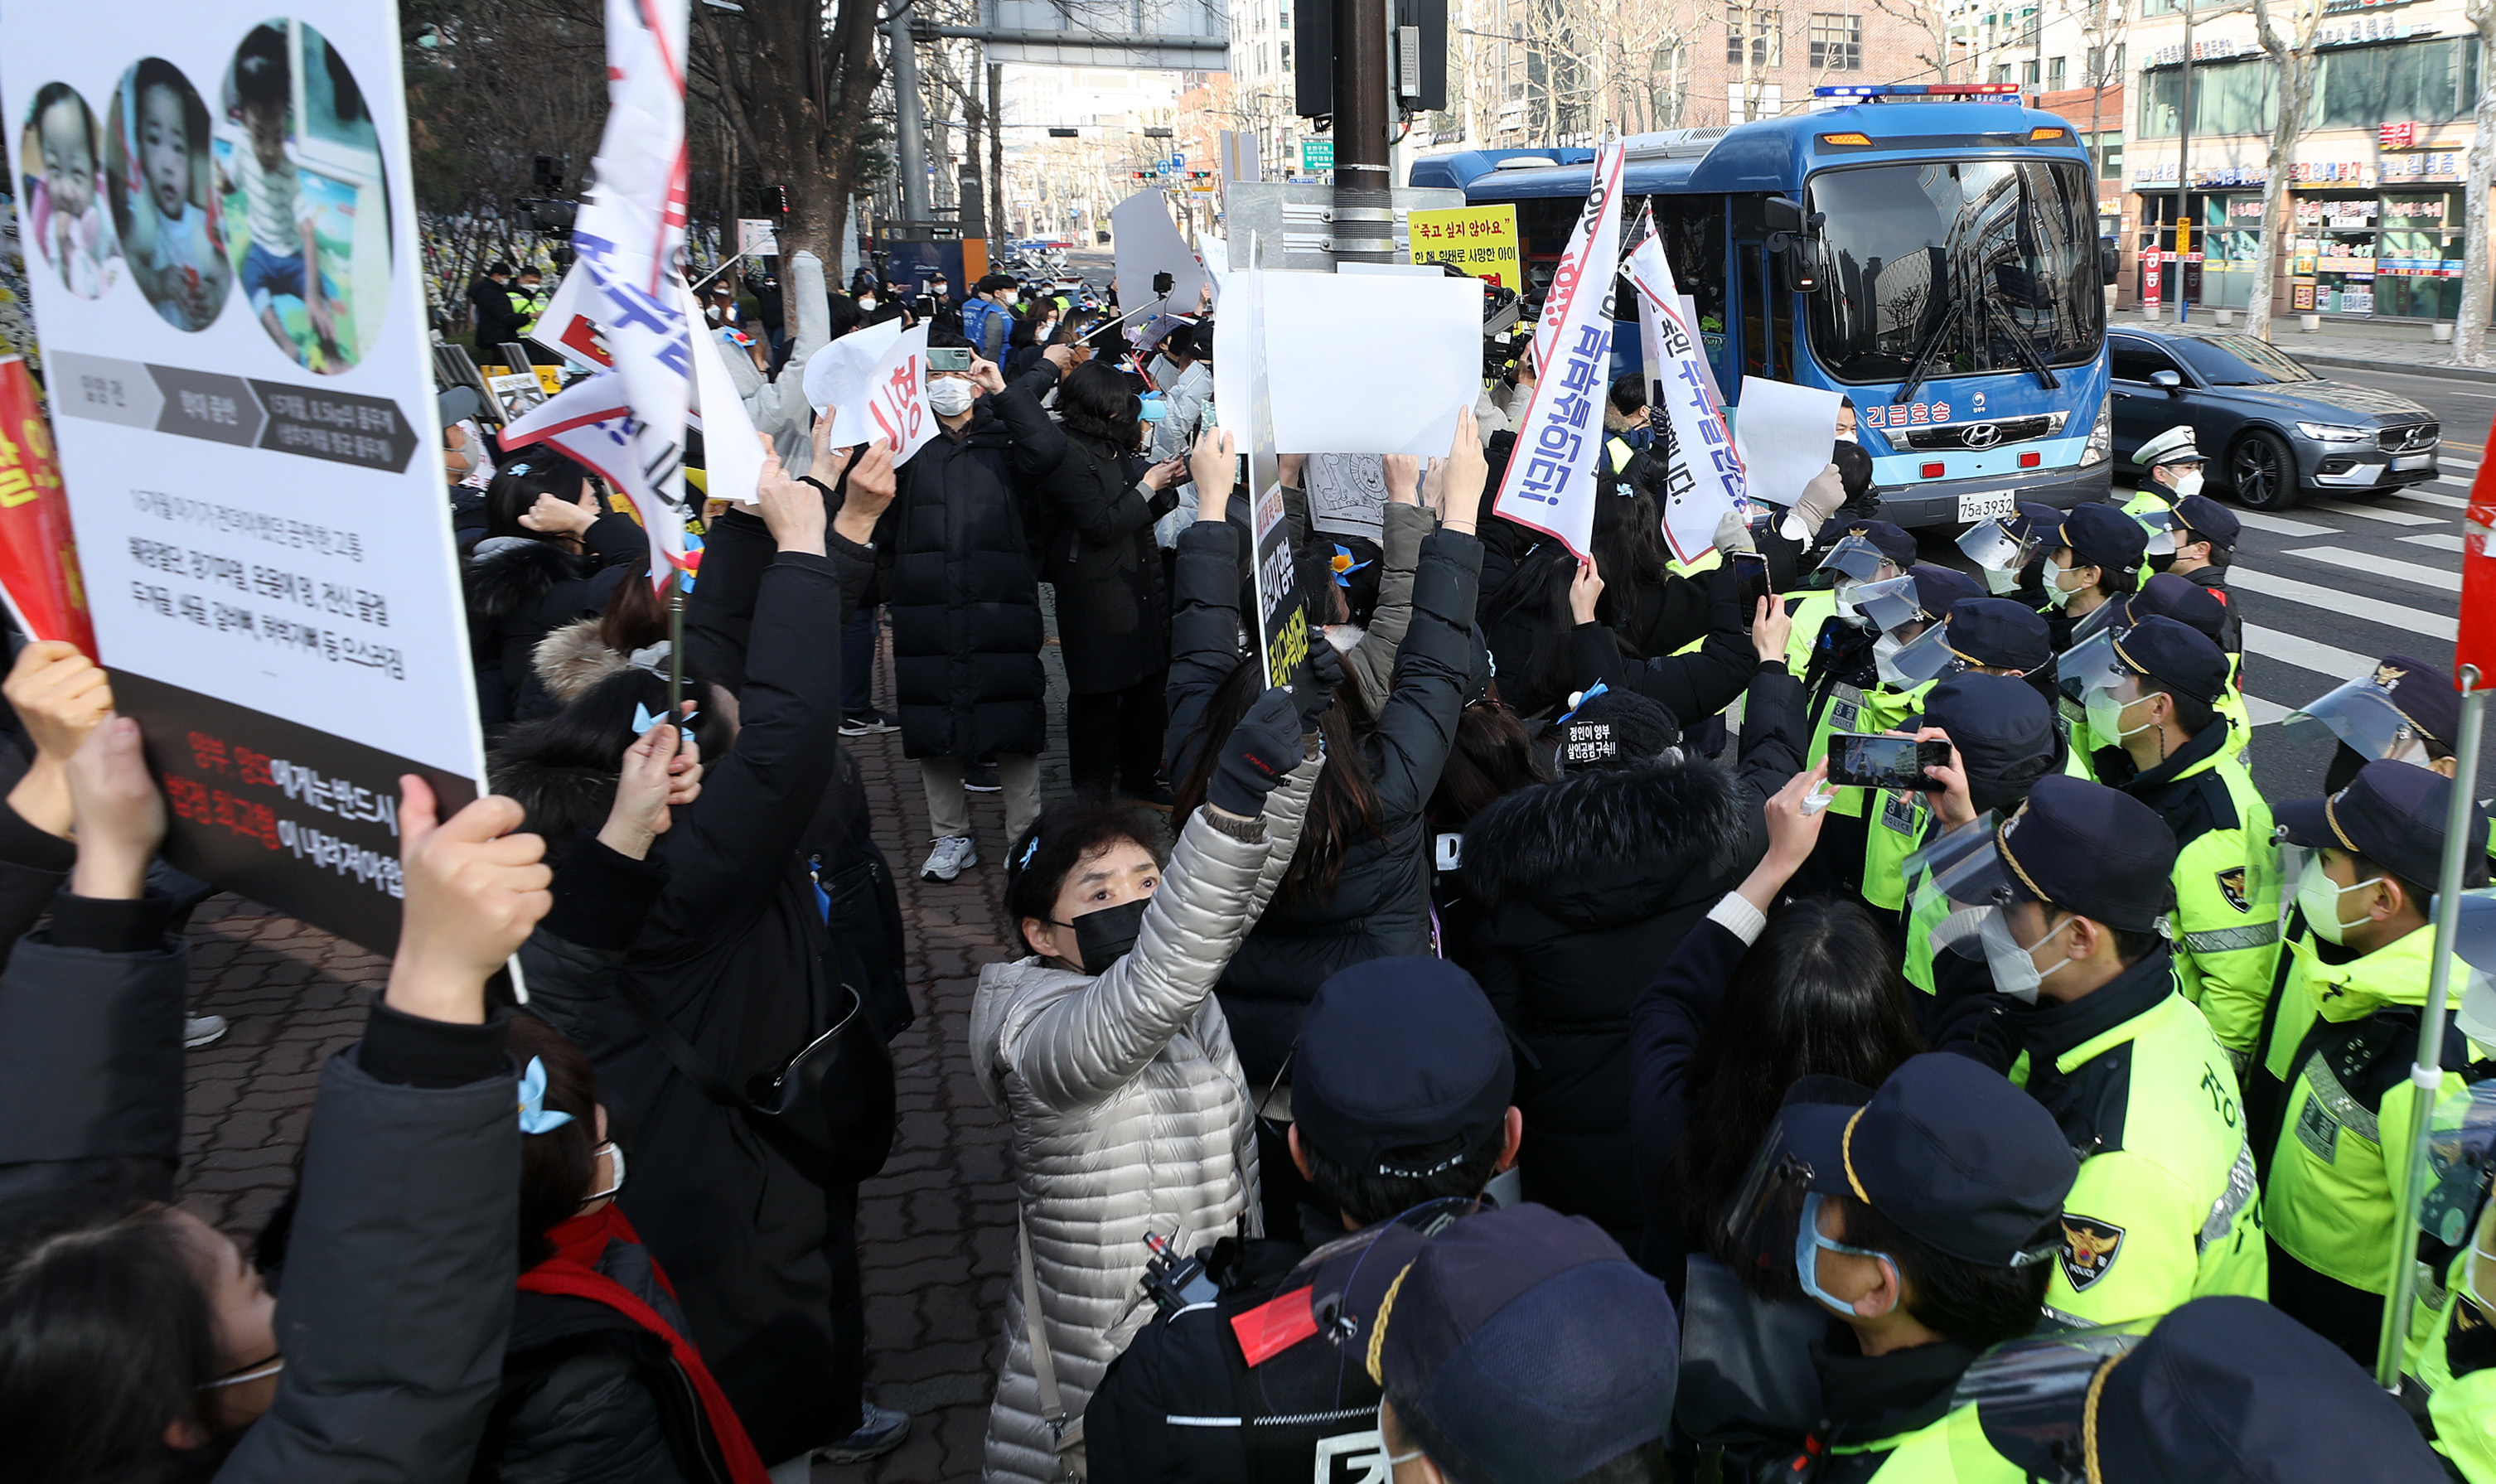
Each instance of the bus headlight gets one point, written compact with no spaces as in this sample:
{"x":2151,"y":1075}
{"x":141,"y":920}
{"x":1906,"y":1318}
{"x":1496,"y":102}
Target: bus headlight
{"x":2101,"y":445}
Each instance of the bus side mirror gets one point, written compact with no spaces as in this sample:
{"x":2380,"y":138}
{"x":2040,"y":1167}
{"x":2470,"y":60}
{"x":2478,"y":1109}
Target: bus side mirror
{"x":1799,"y":261}
{"x":1777,"y":213}
{"x":2109,"y":263}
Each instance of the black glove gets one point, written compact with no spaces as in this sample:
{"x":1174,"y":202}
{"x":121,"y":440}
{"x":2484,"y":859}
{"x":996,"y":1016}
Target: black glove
{"x":1312,"y":688}
{"x":1265,"y":746}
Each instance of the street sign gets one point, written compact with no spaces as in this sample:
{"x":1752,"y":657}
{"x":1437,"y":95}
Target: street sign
{"x":1317,"y":154}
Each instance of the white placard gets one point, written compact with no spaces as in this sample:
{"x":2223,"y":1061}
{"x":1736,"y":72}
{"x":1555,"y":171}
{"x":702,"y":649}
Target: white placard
{"x":1146,"y":243}
{"x":891,"y":402}
{"x":1784,"y":433}
{"x":245,"y":417}
{"x":757,"y":238}
{"x":1342,"y":392}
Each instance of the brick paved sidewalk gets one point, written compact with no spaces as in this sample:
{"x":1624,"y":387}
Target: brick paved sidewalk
{"x":936,"y":1228}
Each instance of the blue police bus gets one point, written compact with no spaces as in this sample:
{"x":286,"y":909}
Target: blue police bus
{"x":1934,"y":259}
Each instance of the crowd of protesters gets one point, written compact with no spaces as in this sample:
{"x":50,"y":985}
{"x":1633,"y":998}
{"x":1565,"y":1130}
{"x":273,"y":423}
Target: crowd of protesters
{"x":1596,"y":1019}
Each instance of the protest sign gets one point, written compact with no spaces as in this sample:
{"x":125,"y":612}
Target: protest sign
{"x":891,"y":402}
{"x":1784,"y":433}
{"x":836,"y":375}
{"x":247,"y":436}
{"x":1146,"y":244}
{"x":1282,"y":616}
{"x":757,"y":238}
{"x":1549,"y":484}
{"x":1703,"y":476}
{"x":1340,"y":396}
{"x":732,"y":449}
{"x":1347,"y":494}
{"x":591,"y":422}
{"x":39,"y":565}
{"x":1481,"y":240}
{"x":565,"y":327}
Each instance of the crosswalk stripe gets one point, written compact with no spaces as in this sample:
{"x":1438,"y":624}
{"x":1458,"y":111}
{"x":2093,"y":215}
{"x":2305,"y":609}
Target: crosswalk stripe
{"x":2427,"y":497}
{"x":2329,"y":599}
{"x":2440,"y":541}
{"x":2281,"y":526}
{"x":2378,"y":513}
{"x":2262,"y":713}
{"x":2304,"y":653}
{"x":2382,"y":567}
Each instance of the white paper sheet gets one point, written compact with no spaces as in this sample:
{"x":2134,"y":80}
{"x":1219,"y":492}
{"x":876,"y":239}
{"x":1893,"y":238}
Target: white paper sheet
{"x":1373,"y":366}
{"x":1784,"y":433}
{"x":1146,"y":243}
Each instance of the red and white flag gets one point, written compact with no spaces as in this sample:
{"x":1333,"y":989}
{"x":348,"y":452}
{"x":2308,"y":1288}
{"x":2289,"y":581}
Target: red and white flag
{"x":591,"y":422}
{"x":892,"y":404}
{"x":1551,"y":480}
{"x":1703,"y":474}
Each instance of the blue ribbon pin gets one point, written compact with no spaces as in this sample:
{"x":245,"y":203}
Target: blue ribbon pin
{"x":535,"y":1117}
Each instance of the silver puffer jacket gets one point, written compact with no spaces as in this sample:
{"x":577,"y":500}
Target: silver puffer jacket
{"x":1129,"y":1116}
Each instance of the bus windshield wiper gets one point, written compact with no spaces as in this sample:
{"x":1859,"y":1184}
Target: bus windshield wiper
{"x":1925,"y":352}
{"x":2019,"y":342}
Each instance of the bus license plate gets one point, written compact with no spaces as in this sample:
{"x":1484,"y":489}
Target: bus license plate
{"x":1995,"y":505}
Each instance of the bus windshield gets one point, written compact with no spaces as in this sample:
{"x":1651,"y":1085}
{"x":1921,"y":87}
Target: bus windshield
{"x":1972,"y":266}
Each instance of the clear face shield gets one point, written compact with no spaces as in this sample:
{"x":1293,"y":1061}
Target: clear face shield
{"x":2161,"y":525}
{"x":2331,"y":907}
{"x":1999,"y":554}
{"x":2091,"y":663}
{"x":2461,"y":1159}
{"x":1764,"y":1224}
{"x":2474,"y":943}
{"x":1855,"y":562}
{"x":2033,"y":1396}
{"x":2363,"y":715}
{"x":1922,"y":660}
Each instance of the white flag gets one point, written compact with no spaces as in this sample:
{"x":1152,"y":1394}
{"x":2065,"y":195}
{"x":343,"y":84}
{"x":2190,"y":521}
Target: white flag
{"x":732,"y":449}
{"x":1551,"y":480}
{"x":1702,"y":474}
{"x":591,"y":422}
{"x":628,"y":241}
{"x":892,"y":402}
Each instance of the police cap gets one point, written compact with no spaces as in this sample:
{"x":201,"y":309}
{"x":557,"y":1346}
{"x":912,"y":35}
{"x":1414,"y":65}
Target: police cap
{"x":2093,"y":850}
{"x":2182,"y":659}
{"x":2030,"y":518}
{"x":2174,"y":447}
{"x":1893,"y":541}
{"x":2002,"y":727}
{"x":2424,"y":696}
{"x":2180,"y":599}
{"x":2210,"y":520}
{"x":1938,"y":589}
{"x":2229,"y":1389}
{"x":2000,"y":634}
{"x":1398,"y":1053}
{"x":2103,"y":536}
{"x":2391,"y":814}
{"x":1950,"y":1152}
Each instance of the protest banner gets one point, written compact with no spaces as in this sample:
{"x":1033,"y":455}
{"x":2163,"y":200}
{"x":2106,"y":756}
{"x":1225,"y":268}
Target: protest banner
{"x":249,"y":457}
{"x":591,"y":422}
{"x":890,"y":402}
{"x":1703,"y":476}
{"x":1549,"y":484}
{"x":39,"y":565}
{"x":757,"y":238}
{"x":1481,"y":240}
{"x":565,"y":327}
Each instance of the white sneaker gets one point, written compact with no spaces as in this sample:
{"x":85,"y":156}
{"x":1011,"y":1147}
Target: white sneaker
{"x":951,"y":856}
{"x":200,"y":1029}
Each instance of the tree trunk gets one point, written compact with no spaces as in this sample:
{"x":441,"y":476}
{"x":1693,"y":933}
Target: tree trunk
{"x":997,"y":226}
{"x":2295,"y":64}
{"x":2470,"y":331}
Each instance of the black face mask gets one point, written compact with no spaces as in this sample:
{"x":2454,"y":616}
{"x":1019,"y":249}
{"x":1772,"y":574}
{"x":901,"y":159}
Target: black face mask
{"x":1105,"y":936}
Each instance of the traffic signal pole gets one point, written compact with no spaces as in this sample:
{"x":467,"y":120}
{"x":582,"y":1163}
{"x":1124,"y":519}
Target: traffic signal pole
{"x":1364,"y":211}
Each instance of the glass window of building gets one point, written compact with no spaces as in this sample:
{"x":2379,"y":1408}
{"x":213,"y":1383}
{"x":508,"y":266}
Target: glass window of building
{"x":1837,"y":42}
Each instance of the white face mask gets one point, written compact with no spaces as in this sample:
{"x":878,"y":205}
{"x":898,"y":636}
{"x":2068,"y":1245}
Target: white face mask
{"x":866,"y":304}
{"x":2015,"y":968}
{"x":1844,"y":593}
{"x":2318,"y":896}
{"x":2189,"y":484}
{"x":1885,"y":649}
{"x":951,"y":396}
{"x":1848,"y":437}
{"x":2055,"y":592}
{"x":2105,"y":717}
{"x":1343,"y":637}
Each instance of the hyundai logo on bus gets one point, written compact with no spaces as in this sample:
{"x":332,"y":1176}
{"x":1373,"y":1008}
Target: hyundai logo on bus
{"x":1980,"y":435}
{"x":1899,"y":415}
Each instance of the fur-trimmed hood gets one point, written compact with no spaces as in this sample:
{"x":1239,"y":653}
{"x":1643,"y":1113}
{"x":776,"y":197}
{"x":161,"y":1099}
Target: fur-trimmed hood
{"x":505,"y":579}
{"x":1601,"y":847}
{"x":572,"y":659}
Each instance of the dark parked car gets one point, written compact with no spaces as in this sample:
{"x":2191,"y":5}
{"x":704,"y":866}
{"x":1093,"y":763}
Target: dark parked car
{"x":2272,"y":430}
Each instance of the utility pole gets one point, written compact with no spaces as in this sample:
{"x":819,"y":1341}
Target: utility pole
{"x":2183,"y":161}
{"x":1364,"y":211}
{"x":909,"y":153}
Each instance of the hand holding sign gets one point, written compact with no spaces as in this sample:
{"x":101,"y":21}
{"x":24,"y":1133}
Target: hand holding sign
{"x":120,"y":815}
{"x":474,"y":892}
{"x":793,"y":510}
{"x":868,"y":494}
{"x":1585,"y":586}
{"x":1211,"y":464}
{"x":60,"y":694}
{"x":1467,"y":470}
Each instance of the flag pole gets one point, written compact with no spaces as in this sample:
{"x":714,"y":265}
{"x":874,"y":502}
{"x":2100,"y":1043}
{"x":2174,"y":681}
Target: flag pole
{"x":676,"y":644}
{"x":2426,"y":1073}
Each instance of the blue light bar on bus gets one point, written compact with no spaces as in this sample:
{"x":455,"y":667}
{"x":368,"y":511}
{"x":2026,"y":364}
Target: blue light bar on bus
{"x":1919,"y":90}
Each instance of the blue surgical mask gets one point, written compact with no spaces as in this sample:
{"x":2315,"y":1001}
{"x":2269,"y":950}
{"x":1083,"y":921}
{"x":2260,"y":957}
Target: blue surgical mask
{"x":1809,"y":1243}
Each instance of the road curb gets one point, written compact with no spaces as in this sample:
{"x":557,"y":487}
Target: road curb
{"x":2345,"y":362}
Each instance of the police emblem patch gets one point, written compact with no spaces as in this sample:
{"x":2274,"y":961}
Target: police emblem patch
{"x":2232,"y":886}
{"x":2089,"y":1249}
{"x":2389,"y":676}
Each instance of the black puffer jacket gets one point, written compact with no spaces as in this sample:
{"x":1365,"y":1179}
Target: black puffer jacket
{"x":521,"y":589}
{"x":1112,"y":606}
{"x":965,"y":591}
{"x":1380,"y":903}
{"x":1582,"y":889}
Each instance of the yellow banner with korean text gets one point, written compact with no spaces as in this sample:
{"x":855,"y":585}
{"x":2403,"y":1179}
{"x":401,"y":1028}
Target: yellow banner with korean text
{"x":1481,"y":240}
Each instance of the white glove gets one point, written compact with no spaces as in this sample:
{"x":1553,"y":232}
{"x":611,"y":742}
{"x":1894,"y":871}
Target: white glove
{"x":1821,"y":498}
{"x":1733,"y":533}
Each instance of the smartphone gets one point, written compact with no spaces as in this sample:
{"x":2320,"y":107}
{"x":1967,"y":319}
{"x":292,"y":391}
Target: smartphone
{"x":949,"y":357}
{"x":1862,"y":760}
{"x":1751,"y":569}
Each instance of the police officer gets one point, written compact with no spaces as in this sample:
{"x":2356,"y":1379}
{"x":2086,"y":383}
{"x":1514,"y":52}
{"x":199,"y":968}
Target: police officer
{"x":2003,"y":738}
{"x":1893,"y":823}
{"x":2004,"y":636}
{"x":2175,"y":470}
{"x":2223,"y":1391}
{"x":1402,"y":1113}
{"x":1929,"y":1216}
{"x":1831,"y":647}
{"x":2094,"y":558}
{"x":2198,"y":608}
{"x":2010,"y":551}
{"x":2206,"y":542}
{"x":2451,"y":1362}
{"x":2065,"y":906}
{"x":2403,"y":710}
{"x":2157,"y":700}
{"x":2332,"y":1093}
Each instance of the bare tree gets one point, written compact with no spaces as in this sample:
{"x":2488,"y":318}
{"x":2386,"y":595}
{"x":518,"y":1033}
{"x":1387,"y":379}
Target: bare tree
{"x":2102,"y":28}
{"x":1933,"y":22}
{"x":2291,"y":55}
{"x":2470,"y":335}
